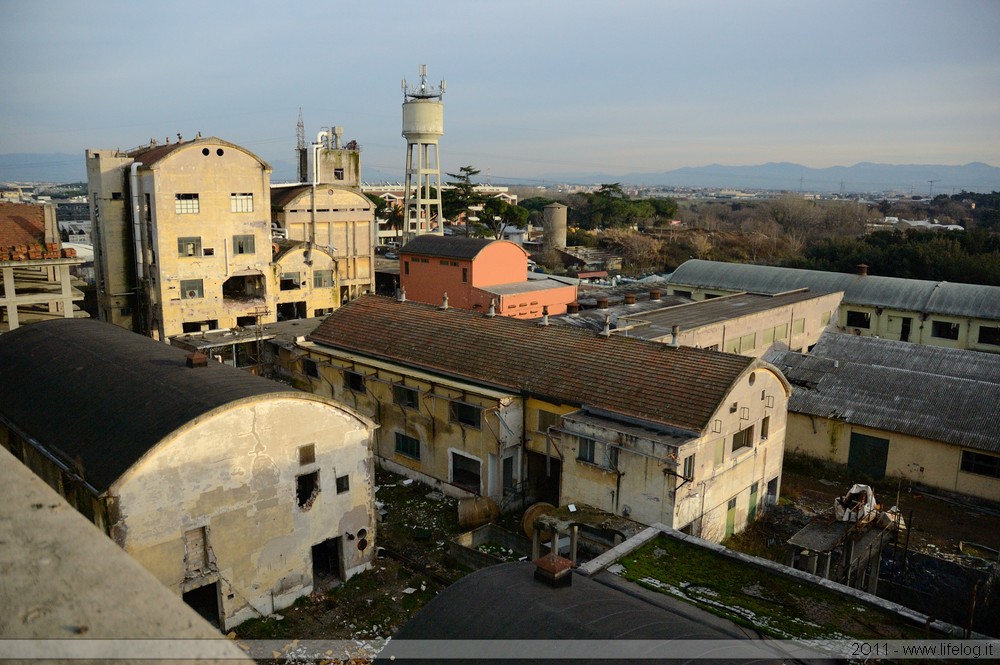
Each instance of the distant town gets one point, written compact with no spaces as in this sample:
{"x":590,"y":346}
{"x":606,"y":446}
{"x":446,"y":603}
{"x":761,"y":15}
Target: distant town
{"x":344,"y":411}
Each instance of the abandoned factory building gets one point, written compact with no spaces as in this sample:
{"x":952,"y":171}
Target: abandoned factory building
{"x":234,"y":491}
{"x":520,"y":411}
{"x":887,"y":408}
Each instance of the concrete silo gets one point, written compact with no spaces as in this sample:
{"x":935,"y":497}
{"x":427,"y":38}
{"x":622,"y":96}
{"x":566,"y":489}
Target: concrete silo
{"x":423,"y":125}
{"x":554,"y":224}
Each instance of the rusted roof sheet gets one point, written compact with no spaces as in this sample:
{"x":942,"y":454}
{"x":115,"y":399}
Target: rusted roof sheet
{"x":679,"y":387}
{"x":915,"y":295}
{"x":451,"y":247}
{"x":946,"y":395}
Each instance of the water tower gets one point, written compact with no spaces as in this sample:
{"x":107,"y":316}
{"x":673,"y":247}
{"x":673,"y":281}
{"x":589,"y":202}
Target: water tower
{"x":423,"y":125}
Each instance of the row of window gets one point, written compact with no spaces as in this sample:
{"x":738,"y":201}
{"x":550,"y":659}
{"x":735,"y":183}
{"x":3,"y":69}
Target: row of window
{"x":741,"y":439}
{"x":939,"y":329}
{"x":195,"y":288}
{"x":191,"y":246}
{"x":190,"y":204}
{"x":593,"y":452}
{"x":461,"y":412}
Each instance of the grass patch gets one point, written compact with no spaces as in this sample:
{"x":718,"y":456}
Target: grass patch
{"x":772,"y":604}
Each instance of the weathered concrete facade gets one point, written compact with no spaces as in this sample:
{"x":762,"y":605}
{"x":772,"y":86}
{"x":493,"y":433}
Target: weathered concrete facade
{"x":235,"y":492}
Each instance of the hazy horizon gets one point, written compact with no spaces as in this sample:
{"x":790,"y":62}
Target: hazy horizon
{"x":533,"y":88}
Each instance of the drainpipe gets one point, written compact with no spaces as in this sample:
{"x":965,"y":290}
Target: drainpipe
{"x":140,"y":267}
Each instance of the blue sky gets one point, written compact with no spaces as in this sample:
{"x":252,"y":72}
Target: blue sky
{"x":534,"y":88}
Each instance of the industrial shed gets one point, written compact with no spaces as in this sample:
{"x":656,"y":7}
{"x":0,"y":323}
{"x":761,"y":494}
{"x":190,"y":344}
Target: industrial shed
{"x":886,"y":408}
{"x":234,"y":491}
{"x":965,"y":316}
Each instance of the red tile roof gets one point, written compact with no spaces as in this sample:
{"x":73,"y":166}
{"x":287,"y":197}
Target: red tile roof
{"x":680,"y":387}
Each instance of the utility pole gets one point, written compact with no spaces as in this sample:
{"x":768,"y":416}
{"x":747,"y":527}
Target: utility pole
{"x":930,"y":194}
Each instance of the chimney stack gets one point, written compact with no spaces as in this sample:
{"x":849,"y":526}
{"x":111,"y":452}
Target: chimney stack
{"x":863,"y":269}
{"x":573,"y":308}
{"x":629,"y":298}
{"x":444,"y":301}
{"x":654,"y":294}
{"x":401,"y":297}
{"x":493,"y":308}
{"x":545,"y":315}
{"x":675,"y":331}
{"x":607,"y":326}
{"x":602,"y":303}
{"x":196,"y":359}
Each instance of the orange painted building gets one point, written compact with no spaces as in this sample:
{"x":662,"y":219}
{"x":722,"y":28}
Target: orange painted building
{"x":475,"y":272}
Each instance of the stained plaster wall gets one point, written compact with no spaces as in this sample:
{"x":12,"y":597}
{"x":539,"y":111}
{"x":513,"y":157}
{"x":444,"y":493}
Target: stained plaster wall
{"x":234,"y":472}
{"x":214,"y":178}
{"x":296,"y":261}
{"x":498,"y":436}
{"x":704,"y":501}
{"x":924,"y":461}
{"x":111,"y":235}
{"x":345,"y":223}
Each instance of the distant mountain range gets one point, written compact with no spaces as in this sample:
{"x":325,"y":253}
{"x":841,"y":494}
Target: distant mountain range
{"x":918,"y":179}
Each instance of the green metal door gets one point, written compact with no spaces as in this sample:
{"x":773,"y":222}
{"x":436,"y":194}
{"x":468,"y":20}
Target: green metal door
{"x":731,"y":517}
{"x":752,"y":511}
{"x":868,"y":455}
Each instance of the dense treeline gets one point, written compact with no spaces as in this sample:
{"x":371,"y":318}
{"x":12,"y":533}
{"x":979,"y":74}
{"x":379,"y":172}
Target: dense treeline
{"x":970,"y":256}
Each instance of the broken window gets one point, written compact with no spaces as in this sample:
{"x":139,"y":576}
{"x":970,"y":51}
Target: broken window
{"x":306,"y":489}
{"x":981,"y":463}
{"x":465,"y":472}
{"x":186,"y":204}
{"x":405,"y":396}
{"x":338,"y":174}
{"x":243,"y":287}
{"x":765,"y":427}
{"x":689,"y":466}
{"x":291,"y":281}
{"x":407,"y":445}
{"x":586,"y":449}
{"x":307,"y":454}
{"x":244,"y":244}
{"x":343,"y":484}
{"x":857,"y":319}
{"x":743,"y":438}
{"x":467,"y":414}
{"x":190,"y":246}
{"x":192,"y":288}
{"x":242,"y":202}
{"x":322,"y":278}
{"x":989,"y":335}
{"x":310,"y":368}
{"x":547,"y":419}
{"x":611,"y":456}
{"x":354,"y":381}
{"x":944,"y":329}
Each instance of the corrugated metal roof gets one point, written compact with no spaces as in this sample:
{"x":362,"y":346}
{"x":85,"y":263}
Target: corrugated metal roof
{"x":971,"y":300}
{"x":715,"y":310}
{"x":103,"y":396}
{"x":680,"y":387}
{"x":935,"y":393}
{"x":522,"y":287}
{"x":452,"y":247}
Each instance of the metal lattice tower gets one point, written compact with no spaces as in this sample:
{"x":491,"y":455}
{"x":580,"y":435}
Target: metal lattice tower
{"x":423,"y":125}
{"x":300,"y":148}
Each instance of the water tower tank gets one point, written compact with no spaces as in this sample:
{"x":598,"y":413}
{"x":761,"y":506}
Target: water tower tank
{"x":554,"y":223}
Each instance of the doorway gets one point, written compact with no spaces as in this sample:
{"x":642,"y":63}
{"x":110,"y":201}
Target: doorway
{"x":205,"y":601}
{"x":326,"y":567}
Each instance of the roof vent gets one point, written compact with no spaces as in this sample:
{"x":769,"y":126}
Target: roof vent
{"x":654,"y":294}
{"x":573,"y":308}
{"x":602,"y":303}
{"x":554,"y":570}
{"x":629,"y":298}
{"x":862,"y":269}
{"x":444,"y":301}
{"x":545,"y":315}
{"x":493,"y":308}
{"x":196,"y":359}
{"x":675,"y":331}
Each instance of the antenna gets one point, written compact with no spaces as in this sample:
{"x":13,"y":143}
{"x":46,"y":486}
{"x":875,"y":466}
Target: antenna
{"x":423,"y":91}
{"x":931,"y":183}
{"x":300,"y":132}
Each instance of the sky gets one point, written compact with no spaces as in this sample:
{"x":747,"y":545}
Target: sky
{"x":534,"y":87}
